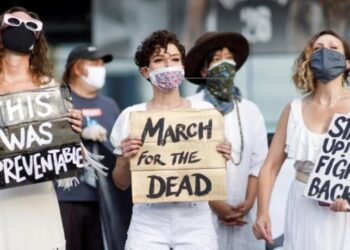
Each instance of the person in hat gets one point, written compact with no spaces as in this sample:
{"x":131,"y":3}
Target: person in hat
{"x":321,"y":72}
{"x":212,"y":64}
{"x":80,"y":205}
{"x":170,"y":225}
{"x":29,"y":215}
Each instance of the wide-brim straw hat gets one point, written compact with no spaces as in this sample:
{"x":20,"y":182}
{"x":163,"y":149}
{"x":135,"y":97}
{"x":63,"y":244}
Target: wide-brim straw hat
{"x":212,"y":41}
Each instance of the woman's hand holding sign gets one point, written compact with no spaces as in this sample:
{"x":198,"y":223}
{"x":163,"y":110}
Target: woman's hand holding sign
{"x":75,"y":118}
{"x":225,"y":149}
{"x":339,"y":205}
{"x":130,"y":146}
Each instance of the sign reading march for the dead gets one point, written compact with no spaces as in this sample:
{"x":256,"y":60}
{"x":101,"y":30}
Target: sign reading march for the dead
{"x":37,"y":142}
{"x":178,"y":160}
{"x":330,"y":178}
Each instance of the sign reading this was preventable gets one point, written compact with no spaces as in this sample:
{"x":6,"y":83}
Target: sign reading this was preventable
{"x":37,"y":142}
{"x":178,"y":160}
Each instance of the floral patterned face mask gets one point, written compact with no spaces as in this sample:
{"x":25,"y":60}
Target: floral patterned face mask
{"x":220,"y":79}
{"x":168,"y":78}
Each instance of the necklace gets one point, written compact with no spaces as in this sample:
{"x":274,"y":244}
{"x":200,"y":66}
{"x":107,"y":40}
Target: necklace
{"x":240,"y":134}
{"x":334,"y":102}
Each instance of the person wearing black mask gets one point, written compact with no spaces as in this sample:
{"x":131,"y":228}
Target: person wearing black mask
{"x":29,"y":215}
{"x":321,"y":72}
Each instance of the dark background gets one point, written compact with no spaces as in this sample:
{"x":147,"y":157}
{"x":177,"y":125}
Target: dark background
{"x":64,"y":21}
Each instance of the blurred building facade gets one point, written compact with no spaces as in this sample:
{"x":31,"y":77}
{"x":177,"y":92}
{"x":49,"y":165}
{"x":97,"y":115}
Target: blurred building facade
{"x":276,"y":29}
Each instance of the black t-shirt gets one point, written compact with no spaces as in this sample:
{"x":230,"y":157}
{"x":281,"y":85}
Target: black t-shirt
{"x":98,"y":110}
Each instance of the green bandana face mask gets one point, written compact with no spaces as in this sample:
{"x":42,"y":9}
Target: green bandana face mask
{"x":220,"y":80}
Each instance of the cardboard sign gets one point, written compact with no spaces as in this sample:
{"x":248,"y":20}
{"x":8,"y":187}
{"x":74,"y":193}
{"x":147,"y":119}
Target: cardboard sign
{"x":37,"y":142}
{"x":330,"y":178}
{"x":178,"y":158}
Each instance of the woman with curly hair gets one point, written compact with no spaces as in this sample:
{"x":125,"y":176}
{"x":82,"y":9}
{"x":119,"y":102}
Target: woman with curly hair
{"x":321,"y":72}
{"x":172,"y":225}
{"x":29,"y":215}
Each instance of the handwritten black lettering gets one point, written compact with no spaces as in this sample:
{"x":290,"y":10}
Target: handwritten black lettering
{"x":149,"y":159}
{"x":184,"y":157}
{"x":177,"y":133}
{"x":173,"y":186}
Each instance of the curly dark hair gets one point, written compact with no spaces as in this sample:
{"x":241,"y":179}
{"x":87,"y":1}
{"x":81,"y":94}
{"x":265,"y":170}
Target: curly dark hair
{"x":41,"y":67}
{"x":158,"y":39}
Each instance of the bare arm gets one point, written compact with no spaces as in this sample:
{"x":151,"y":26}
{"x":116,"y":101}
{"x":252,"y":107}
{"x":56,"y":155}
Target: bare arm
{"x":272,"y":164}
{"x":268,"y":175}
{"x":121,"y":173}
{"x":252,"y":190}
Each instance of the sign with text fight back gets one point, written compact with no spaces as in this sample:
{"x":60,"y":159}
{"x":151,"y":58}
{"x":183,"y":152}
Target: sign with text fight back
{"x":178,"y":160}
{"x":37,"y":142}
{"x":330,"y":178}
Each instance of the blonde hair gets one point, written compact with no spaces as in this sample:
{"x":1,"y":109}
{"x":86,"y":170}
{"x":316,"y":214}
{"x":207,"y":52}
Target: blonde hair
{"x":303,"y":77}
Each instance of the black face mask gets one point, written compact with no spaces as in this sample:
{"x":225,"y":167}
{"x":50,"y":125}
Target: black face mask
{"x":18,"y":39}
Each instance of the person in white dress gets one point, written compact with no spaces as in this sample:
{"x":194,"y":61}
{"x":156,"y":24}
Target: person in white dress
{"x":29,"y":215}
{"x":212,"y":64}
{"x":321,"y":72}
{"x":170,"y":225}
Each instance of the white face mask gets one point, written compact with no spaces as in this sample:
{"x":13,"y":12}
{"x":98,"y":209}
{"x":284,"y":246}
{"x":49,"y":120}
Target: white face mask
{"x":96,"y":76}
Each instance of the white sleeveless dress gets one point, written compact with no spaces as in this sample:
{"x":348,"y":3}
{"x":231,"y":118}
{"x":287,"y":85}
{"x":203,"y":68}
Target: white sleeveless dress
{"x":309,"y":226}
{"x":30,"y":218}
